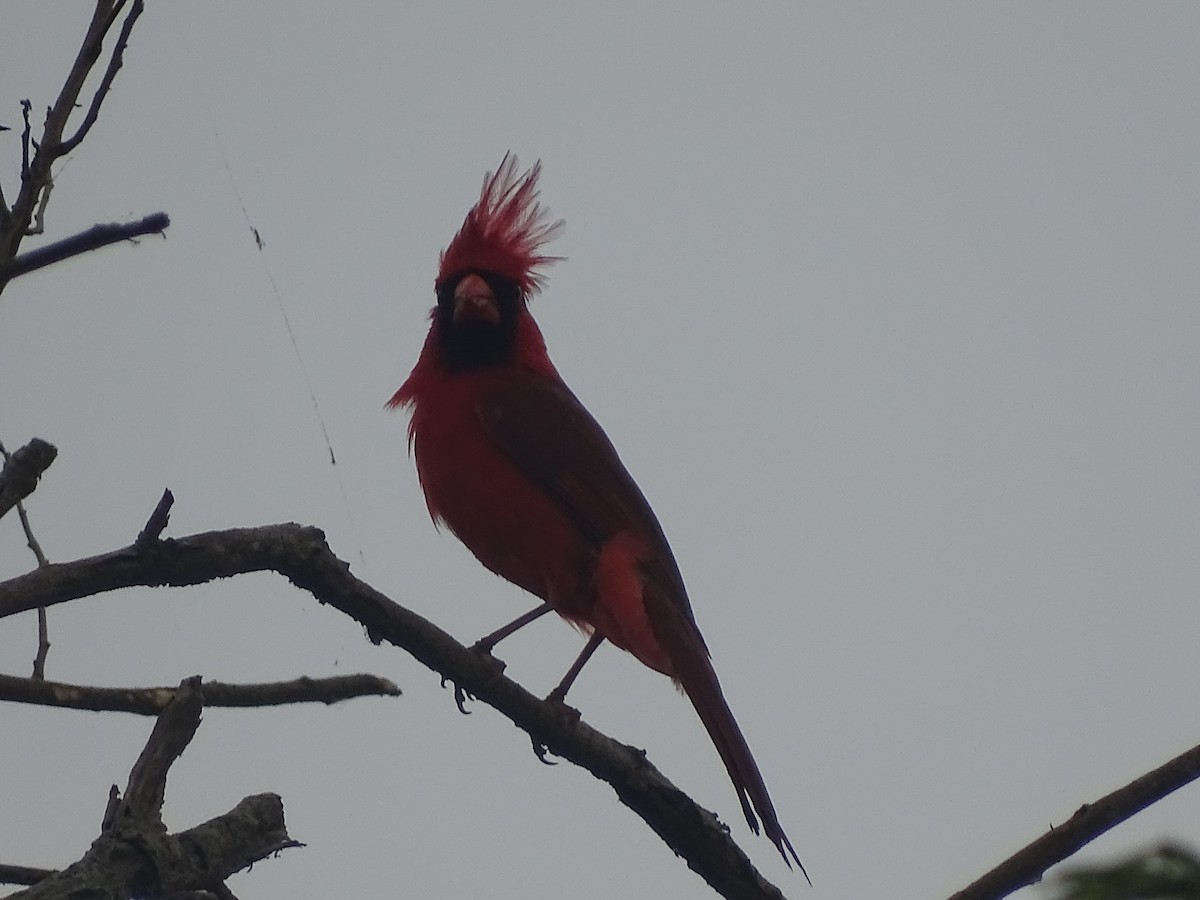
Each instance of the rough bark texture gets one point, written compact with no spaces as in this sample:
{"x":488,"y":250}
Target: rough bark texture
{"x":135,"y":857}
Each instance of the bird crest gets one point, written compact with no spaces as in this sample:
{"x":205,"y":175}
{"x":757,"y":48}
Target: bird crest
{"x":504,"y":229}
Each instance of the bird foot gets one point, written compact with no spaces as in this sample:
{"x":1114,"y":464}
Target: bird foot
{"x":569,"y":713}
{"x":496,"y":666}
{"x":461,"y":696}
{"x":540,"y":750}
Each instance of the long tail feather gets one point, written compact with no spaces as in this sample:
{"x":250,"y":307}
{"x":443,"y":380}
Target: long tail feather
{"x":700,"y":683}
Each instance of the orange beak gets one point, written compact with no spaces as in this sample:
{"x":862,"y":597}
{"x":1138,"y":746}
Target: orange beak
{"x":475,"y":302}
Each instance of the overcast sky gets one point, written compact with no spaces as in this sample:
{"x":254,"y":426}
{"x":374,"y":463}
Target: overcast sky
{"x":892,"y":310}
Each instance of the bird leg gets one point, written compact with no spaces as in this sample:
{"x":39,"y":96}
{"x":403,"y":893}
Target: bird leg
{"x":487,"y":642}
{"x":559,"y":694}
{"x":485,"y":645}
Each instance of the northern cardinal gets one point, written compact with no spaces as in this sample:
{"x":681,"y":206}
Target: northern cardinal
{"x":517,"y":468}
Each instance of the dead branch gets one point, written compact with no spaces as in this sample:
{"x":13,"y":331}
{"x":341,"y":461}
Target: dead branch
{"x":18,"y":479}
{"x":1089,"y":822}
{"x":43,"y":645}
{"x":115,"y":61}
{"x":22,"y":469}
{"x":302,"y":555}
{"x":151,"y":701}
{"x":134,"y":856}
{"x":84,"y":242}
{"x":158,"y":520}
{"x":37,"y":167}
{"x":22,"y":874}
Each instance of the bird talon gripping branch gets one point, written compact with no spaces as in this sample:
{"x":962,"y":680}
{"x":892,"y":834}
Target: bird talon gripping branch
{"x":540,"y":750}
{"x":460,"y":698}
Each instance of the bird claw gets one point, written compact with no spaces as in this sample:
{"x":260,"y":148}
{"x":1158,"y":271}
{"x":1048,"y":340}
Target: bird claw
{"x":460,"y":699}
{"x":570,"y":713}
{"x":497,"y":666}
{"x":540,"y":750}
{"x":461,"y":696}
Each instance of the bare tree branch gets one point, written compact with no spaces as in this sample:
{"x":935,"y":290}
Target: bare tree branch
{"x":43,"y":645}
{"x":36,"y":169}
{"x":22,"y":469}
{"x":301,"y":554}
{"x":173,"y":731}
{"x":115,"y":61}
{"x":26,"y":137}
{"x":153,"y":700}
{"x":135,"y":857}
{"x":39,"y":217}
{"x":84,"y":242}
{"x":18,"y":479}
{"x":29,"y":536}
{"x":1089,"y":822}
{"x":22,"y":874}
{"x":158,"y":519}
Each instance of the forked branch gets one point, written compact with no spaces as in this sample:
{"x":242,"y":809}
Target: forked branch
{"x":39,"y":156}
{"x":135,"y":857}
{"x":302,"y":555}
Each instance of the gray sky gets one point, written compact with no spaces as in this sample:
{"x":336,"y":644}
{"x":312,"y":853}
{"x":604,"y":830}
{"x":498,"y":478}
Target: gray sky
{"x":891,"y":310}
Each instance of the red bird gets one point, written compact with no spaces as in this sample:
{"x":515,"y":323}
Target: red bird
{"x":515,"y":466}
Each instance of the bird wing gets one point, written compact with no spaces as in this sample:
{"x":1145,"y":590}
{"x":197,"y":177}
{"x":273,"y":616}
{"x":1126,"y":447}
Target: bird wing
{"x":540,"y":426}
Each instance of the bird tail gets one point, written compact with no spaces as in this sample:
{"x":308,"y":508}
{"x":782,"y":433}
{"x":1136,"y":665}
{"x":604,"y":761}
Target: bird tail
{"x":704,"y":690}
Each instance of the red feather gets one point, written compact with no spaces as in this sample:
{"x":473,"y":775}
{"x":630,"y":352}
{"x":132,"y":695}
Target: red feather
{"x":504,"y":229}
{"x":517,"y":468}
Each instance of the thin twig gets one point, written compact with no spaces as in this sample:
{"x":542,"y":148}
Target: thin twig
{"x":43,"y":648}
{"x":39,"y":217}
{"x":29,"y":538}
{"x":114,"y":66}
{"x":18,"y":479}
{"x":110,"y":808}
{"x":26,"y":137}
{"x":153,"y":700}
{"x":158,"y":519}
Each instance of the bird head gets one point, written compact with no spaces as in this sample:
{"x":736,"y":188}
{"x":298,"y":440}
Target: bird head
{"x":487,"y":275}
{"x":492,"y":267}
